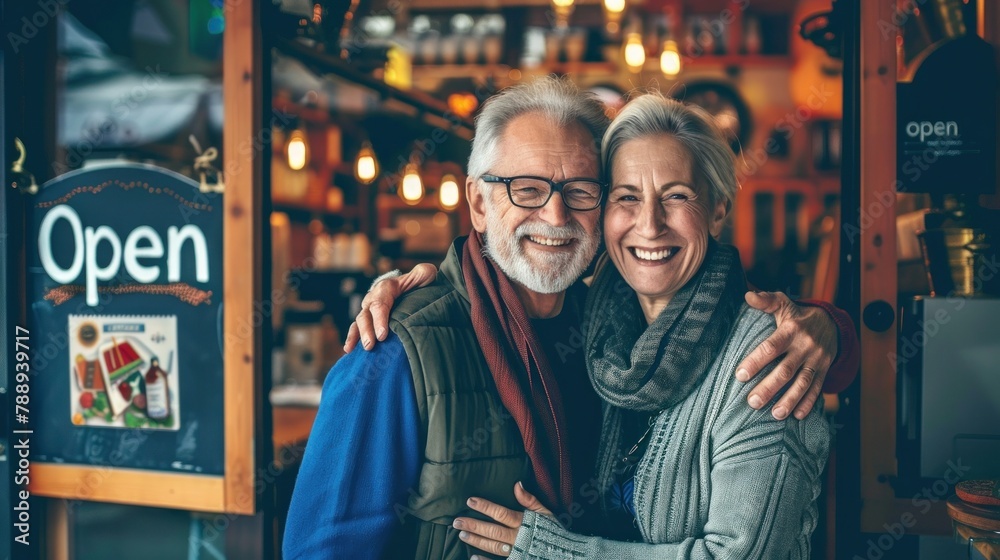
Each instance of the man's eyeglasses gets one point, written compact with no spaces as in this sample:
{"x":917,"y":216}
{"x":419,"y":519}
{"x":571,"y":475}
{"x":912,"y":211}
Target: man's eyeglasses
{"x":527,"y":191}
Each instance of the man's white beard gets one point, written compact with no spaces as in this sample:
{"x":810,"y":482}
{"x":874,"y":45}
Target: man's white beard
{"x":545,"y":273}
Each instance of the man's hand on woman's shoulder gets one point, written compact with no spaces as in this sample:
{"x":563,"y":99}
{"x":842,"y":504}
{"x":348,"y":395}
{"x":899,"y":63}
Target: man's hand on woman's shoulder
{"x":372,"y":323}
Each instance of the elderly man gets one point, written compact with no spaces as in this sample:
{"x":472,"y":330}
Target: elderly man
{"x":479,"y":382}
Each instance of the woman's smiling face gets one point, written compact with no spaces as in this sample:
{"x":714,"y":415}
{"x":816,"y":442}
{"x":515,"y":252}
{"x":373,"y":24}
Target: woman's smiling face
{"x":658,"y":220}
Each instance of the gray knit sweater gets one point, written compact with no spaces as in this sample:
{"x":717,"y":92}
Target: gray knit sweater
{"x":718,"y":480}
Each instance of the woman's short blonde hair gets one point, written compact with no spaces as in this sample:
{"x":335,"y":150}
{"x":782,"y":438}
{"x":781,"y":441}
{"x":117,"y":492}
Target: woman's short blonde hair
{"x":651,"y":115}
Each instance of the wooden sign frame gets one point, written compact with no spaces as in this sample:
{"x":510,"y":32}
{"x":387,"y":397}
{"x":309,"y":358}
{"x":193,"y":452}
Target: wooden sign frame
{"x":234,"y":491}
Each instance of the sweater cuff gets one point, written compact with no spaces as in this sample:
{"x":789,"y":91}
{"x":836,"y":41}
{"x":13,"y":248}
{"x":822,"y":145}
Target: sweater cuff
{"x":845,"y":366}
{"x":541,"y":536}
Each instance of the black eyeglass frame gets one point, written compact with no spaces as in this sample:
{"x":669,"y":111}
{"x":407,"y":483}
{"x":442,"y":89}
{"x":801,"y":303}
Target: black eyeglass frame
{"x":554,"y":186}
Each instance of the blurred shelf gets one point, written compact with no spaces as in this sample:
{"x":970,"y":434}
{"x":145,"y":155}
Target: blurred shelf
{"x":447,"y":71}
{"x":740,"y":60}
{"x":286,"y":106}
{"x":323,"y":63}
{"x":300,"y":208}
{"x":343,"y":168}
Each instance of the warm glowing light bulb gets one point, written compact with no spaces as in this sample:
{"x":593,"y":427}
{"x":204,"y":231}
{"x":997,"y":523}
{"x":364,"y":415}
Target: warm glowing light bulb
{"x":670,"y":59}
{"x":563,"y":9}
{"x":365,"y":165}
{"x":297,"y":151}
{"x":366,"y":168}
{"x":614,"y":6}
{"x":448,"y":192}
{"x":635,"y":53}
{"x":412,"y":188}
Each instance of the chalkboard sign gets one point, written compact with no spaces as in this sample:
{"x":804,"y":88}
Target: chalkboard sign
{"x":125,"y":280}
{"x":945,"y":121}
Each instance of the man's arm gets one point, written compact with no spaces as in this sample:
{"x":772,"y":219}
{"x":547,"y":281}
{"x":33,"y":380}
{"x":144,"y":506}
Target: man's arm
{"x":361,"y":459}
{"x":811,"y":338}
{"x":845,"y":367}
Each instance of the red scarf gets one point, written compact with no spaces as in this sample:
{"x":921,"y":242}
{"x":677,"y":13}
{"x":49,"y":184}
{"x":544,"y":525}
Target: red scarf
{"x":521,"y":371}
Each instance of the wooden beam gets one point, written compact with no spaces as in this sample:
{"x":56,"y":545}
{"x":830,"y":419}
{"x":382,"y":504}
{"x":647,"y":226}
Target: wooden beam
{"x":877,"y":235}
{"x":180,"y":491}
{"x":243,"y":152}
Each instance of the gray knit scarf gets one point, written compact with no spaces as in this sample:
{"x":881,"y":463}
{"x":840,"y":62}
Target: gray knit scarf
{"x":652,"y":368}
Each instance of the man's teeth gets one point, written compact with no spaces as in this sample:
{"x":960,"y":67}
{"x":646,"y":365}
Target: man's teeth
{"x":549,"y":242}
{"x":654,"y":255}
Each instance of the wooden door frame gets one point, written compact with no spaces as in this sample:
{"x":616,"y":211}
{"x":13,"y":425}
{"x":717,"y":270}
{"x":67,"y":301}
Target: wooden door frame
{"x":234,"y":491}
{"x":875,"y":237}
{"x":244,"y":493}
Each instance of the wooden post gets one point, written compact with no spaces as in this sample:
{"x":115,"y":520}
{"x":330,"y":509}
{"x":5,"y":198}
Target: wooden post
{"x":243,"y":203}
{"x":877,"y":235}
{"x":989,"y":29}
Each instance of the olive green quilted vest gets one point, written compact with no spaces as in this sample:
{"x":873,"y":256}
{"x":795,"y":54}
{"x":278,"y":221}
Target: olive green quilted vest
{"x":471,"y":444}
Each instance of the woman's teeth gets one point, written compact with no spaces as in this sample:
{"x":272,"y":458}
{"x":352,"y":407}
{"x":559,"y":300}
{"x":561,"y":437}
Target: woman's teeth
{"x":549,"y":242}
{"x":654,"y":255}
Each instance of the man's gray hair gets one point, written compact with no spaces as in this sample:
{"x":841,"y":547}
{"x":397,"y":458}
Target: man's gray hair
{"x":652,"y":114}
{"x":555,"y":98}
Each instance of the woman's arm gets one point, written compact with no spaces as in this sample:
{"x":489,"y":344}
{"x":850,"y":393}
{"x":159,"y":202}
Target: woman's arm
{"x":756,"y":509}
{"x":764,"y":479}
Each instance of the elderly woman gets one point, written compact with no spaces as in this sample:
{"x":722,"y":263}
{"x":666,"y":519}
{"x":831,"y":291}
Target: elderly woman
{"x":686,"y":469}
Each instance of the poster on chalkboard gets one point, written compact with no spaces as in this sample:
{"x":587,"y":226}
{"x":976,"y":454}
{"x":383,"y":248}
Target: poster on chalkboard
{"x":117,"y":376}
{"x":125,"y":283}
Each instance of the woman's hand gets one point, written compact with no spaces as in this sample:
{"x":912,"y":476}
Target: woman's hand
{"x":497,"y":538}
{"x":372,"y":323}
{"x":808,"y":338}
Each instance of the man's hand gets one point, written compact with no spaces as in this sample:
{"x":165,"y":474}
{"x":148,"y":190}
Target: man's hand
{"x":807,"y":337}
{"x":372,"y":323}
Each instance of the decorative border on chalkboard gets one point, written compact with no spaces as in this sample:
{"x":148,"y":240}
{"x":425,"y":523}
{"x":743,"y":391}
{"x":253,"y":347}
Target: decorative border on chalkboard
{"x":127,"y":187}
{"x":180,"y":290}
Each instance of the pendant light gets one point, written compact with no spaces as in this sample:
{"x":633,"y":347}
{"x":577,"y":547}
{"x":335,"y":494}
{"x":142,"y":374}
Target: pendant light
{"x":411,"y":188}
{"x":563,"y":9}
{"x":297,"y":149}
{"x":670,"y":59}
{"x":448,"y":193}
{"x":635,"y":52}
{"x":613,"y":10}
{"x":366,"y":165}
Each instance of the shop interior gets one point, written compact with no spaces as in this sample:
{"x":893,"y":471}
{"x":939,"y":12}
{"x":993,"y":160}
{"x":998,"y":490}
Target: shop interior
{"x":368,"y":110}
